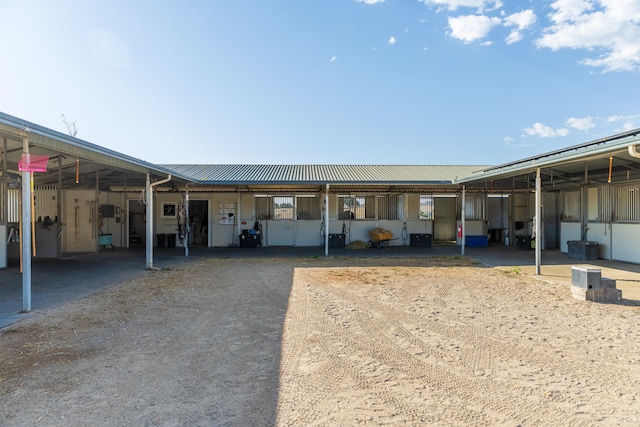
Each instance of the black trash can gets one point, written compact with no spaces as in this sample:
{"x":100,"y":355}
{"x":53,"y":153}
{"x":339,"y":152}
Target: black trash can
{"x":336,"y":240}
{"x":161,"y":239}
{"x":171,"y":240}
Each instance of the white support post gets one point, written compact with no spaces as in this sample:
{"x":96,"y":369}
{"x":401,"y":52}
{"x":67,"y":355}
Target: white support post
{"x":149,"y":188}
{"x":326,"y":221}
{"x":149,"y":216}
{"x":187,"y":227}
{"x":463,"y":239}
{"x":538,"y":222}
{"x":26,"y":234}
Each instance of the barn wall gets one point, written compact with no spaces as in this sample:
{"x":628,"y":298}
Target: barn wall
{"x":80,"y":219}
{"x":626,"y":238}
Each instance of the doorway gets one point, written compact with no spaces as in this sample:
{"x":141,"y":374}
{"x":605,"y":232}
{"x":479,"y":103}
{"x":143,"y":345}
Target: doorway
{"x":199,"y":222}
{"x":137,"y":224}
{"x":444,"y":218}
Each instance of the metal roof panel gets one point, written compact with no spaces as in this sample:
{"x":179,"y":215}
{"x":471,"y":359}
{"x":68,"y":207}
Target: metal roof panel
{"x":243,"y":174}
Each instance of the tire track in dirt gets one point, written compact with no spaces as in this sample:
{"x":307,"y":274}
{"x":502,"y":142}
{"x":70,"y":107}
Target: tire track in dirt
{"x":475,"y":347}
{"x":553,"y":398}
{"x":368,"y":376}
{"x":375,"y":321}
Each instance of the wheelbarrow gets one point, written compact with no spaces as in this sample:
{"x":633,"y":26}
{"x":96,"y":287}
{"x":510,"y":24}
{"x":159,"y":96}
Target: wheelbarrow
{"x":379,"y":238}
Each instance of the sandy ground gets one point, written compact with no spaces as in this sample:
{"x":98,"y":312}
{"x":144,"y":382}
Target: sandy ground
{"x":316,"y":341}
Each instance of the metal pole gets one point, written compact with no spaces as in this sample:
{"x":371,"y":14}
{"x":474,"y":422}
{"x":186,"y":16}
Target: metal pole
{"x":187,"y":228}
{"x":462,"y":219}
{"x":149,"y":215}
{"x":26,"y":234}
{"x":149,"y":188}
{"x":326,"y":221}
{"x":538,"y":222}
{"x":96,"y":211}
{"x":59,"y":210}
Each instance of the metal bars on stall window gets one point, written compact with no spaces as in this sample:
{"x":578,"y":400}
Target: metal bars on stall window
{"x":270,"y":207}
{"x":381,"y":206}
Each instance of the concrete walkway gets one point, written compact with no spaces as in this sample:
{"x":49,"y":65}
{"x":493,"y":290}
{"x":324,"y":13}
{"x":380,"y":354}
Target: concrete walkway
{"x":55,"y":282}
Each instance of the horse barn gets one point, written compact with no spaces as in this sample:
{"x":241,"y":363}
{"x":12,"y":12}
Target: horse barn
{"x":62,"y":195}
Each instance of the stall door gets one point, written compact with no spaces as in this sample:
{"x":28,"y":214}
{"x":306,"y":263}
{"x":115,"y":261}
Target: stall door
{"x":279,"y":230}
{"x":444,"y":214}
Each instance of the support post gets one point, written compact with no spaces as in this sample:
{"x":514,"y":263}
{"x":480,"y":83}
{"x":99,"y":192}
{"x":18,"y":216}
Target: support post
{"x":326,"y":220}
{"x":25,"y":236}
{"x":149,"y":188}
{"x":59,"y":210}
{"x":538,"y":222}
{"x":463,"y":220}
{"x":149,"y":216}
{"x":187,"y":227}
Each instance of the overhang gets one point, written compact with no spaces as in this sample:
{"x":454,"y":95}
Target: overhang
{"x":594,"y":162}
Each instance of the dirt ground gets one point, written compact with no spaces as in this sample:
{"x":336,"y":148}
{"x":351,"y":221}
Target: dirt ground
{"x":325,"y":341}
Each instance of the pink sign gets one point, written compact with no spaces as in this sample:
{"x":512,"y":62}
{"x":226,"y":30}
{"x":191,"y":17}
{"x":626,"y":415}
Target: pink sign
{"x":33,"y":163}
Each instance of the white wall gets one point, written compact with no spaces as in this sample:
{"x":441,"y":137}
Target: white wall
{"x":308,"y":233}
{"x":80,"y":221}
{"x":417,"y":226}
{"x":227,"y":234}
{"x":569,"y":231}
{"x":626,"y":238}
{"x":163,"y":225}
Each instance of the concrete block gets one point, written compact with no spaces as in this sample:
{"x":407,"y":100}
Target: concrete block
{"x":606,"y":283}
{"x":587,"y":278}
{"x":596,"y":295}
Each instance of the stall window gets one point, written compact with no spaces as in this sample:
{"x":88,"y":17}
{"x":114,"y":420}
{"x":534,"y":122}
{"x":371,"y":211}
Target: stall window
{"x":474,"y":207}
{"x":262,"y":206}
{"x":308,"y":207}
{"x":628,"y":203}
{"x":571,"y":206}
{"x":346,"y":207}
{"x":356,"y":207}
{"x":282,"y":207}
{"x":389,"y":206}
{"x":605,"y":203}
{"x":426,"y":207}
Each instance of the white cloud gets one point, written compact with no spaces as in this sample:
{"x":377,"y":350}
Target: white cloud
{"x":470,"y":28}
{"x":544,"y":131}
{"x":455,"y":4}
{"x":521,"y":20}
{"x":609,"y":27}
{"x":584,"y":123}
{"x":616,"y":118}
{"x":370,"y":1}
{"x":629,"y":122}
{"x":628,"y":126}
{"x":620,"y":118}
{"x":510,"y":142}
{"x":333,"y":59}
{"x":513,"y":37}
{"x":391,"y":41}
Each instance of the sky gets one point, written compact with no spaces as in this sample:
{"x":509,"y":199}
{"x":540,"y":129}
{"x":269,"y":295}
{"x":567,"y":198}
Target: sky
{"x":398,"y":82}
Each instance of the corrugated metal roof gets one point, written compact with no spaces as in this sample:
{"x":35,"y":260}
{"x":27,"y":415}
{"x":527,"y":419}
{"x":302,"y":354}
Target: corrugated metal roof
{"x":598,"y":149}
{"x":58,"y":142}
{"x":323,"y":174}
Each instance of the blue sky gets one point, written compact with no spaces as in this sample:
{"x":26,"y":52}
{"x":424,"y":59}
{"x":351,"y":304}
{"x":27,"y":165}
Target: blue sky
{"x":324,"y":81}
